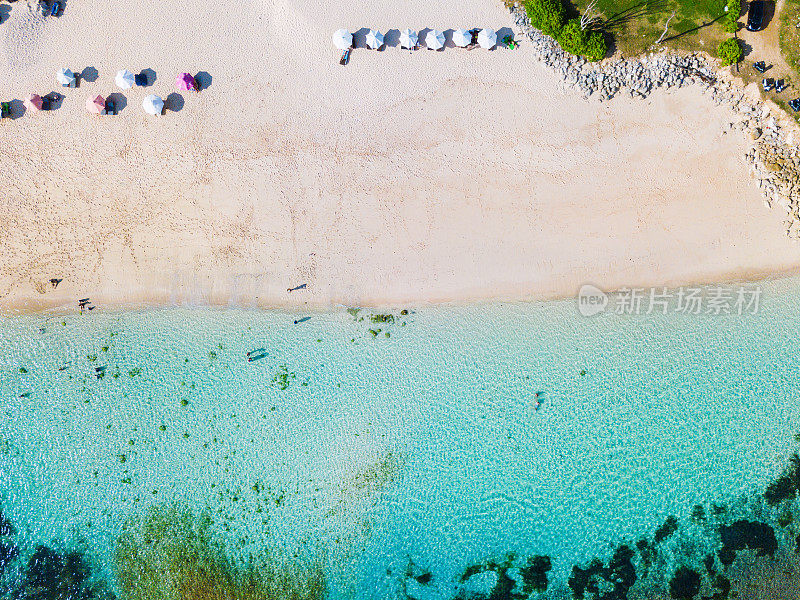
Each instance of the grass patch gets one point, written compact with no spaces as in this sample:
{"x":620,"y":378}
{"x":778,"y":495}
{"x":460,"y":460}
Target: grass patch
{"x":789,"y":35}
{"x":634,"y":26}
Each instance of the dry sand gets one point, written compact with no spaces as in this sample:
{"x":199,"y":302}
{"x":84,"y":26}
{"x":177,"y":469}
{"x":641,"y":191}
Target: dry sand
{"x":404,"y":177}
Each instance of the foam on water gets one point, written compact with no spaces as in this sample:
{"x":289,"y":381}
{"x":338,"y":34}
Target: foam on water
{"x":422,"y":446}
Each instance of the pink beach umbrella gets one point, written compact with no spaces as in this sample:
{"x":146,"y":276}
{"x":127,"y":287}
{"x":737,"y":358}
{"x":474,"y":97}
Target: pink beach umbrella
{"x":185,"y":82}
{"x":95,"y":105}
{"x":33,"y":102}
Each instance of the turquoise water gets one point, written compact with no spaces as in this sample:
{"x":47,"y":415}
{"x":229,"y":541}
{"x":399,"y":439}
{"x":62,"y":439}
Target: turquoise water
{"x":422,"y":447}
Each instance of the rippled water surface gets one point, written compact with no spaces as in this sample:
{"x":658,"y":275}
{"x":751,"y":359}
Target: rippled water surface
{"x":417,"y":443}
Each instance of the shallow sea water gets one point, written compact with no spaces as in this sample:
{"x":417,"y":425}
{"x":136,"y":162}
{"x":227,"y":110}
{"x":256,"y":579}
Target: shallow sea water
{"x":421,"y":447}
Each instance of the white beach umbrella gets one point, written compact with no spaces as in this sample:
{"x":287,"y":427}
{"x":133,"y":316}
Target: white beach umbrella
{"x":408,"y":39}
{"x":153,"y":105}
{"x":343,"y":39}
{"x":374,"y":39}
{"x":434,"y":39}
{"x":65,"y":77}
{"x":125,"y":79}
{"x":462,"y":38}
{"x":487,"y":38}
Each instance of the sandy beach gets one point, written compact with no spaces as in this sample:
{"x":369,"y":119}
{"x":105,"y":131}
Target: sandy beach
{"x":404,"y":177}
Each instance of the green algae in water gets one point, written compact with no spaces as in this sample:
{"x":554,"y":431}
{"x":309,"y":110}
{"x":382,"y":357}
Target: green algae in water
{"x":282,"y":379}
{"x":170,"y":553}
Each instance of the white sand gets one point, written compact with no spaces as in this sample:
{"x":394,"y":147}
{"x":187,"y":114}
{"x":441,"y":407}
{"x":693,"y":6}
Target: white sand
{"x":403,"y":177}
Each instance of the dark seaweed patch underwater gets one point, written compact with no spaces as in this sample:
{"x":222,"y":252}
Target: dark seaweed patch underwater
{"x":746,"y":550}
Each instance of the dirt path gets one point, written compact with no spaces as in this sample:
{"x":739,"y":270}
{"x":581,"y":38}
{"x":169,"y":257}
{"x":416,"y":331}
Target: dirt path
{"x":765,"y":45}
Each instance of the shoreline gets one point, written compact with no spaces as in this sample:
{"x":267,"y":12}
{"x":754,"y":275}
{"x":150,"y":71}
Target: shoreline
{"x":148,"y":301}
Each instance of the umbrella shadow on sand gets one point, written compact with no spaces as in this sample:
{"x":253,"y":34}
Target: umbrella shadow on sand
{"x":502,"y":33}
{"x":448,"y":38}
{"x":145,"y":78}
{"x":89,"y":74}
{"x":422,"y":33}
{"x":174,"y":102}
{"x":119,"y":100}
{"x":55,"y":99}
{"x":360,"y":38}
{"x":392,"y":38}
{"x":203,"y":80}
{"x":17,"y":108}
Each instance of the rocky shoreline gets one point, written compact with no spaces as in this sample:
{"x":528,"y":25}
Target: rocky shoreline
{"x":773,"y":159}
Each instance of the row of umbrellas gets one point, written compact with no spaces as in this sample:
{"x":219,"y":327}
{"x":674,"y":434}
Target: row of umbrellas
{"x":409,"y":39}
{"x":125,"y":80}
{"x":152,"y":104}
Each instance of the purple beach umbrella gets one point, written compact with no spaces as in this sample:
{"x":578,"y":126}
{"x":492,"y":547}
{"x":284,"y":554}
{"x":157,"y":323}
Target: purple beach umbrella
{"x":185,"y":82}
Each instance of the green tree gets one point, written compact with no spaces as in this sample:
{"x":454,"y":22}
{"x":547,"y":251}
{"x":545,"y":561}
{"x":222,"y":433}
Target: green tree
{"x":575,"y":40}
{"x":546,"y":15}
{"x":729,"y":51}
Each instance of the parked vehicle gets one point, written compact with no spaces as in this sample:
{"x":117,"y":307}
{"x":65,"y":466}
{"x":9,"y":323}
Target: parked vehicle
{"x":768,"y":84}
{"x":795,"y":104}
{"x":760,"y":66}
{"x":780,"y":85}
{"x":755,"y":15}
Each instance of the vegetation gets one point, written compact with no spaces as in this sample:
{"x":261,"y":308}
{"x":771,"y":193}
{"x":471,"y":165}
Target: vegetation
{"x":546,"y":15}
{"x":550,"y":16}
{"x":634,"y":26}
{"x":789,"y":33}
{"x":685,"y":584}
{"x":729,"y":51}
{"x":169,"y":554}
{"x":578,"y":41}
{"x":730,"y":22}
{"x":533,"y":572}
{"x":669,"y":527}
{"x":610,"y":582}
{"x":534,"y":575}
{"x":746,"y":534}
{"x":786,"y":485}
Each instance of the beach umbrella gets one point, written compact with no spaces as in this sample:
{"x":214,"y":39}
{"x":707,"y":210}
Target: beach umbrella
{"x":487,"y":38}
{"x":153,"y":105}
{"x":95,"y":105}
{"x":185,"y":82}
{"x":125,"y":79}
{"x":374,"y":39}
{"x":65,"y":77}
{"x":409,"y":39}
{"x":33,"y":102}
{"x":343,"y":39}
{"x":434,"y":39}
{"x":462,"y":38}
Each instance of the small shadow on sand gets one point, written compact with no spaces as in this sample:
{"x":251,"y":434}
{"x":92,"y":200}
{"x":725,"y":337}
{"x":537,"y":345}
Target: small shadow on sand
{"x":89,"y":74}
{"x":203,"y":80}
{"x":145,"y":78}
{"x":360,"y":38}
{"x":392,"y":38}
{"x":55,"y":100}
{"x":119,"y":100}
{"x":502,"y":33}
{"x":174,"y":102}
{"x":17,"y":108}
{"x":422,"y":33}
{"x":448,"y":38}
